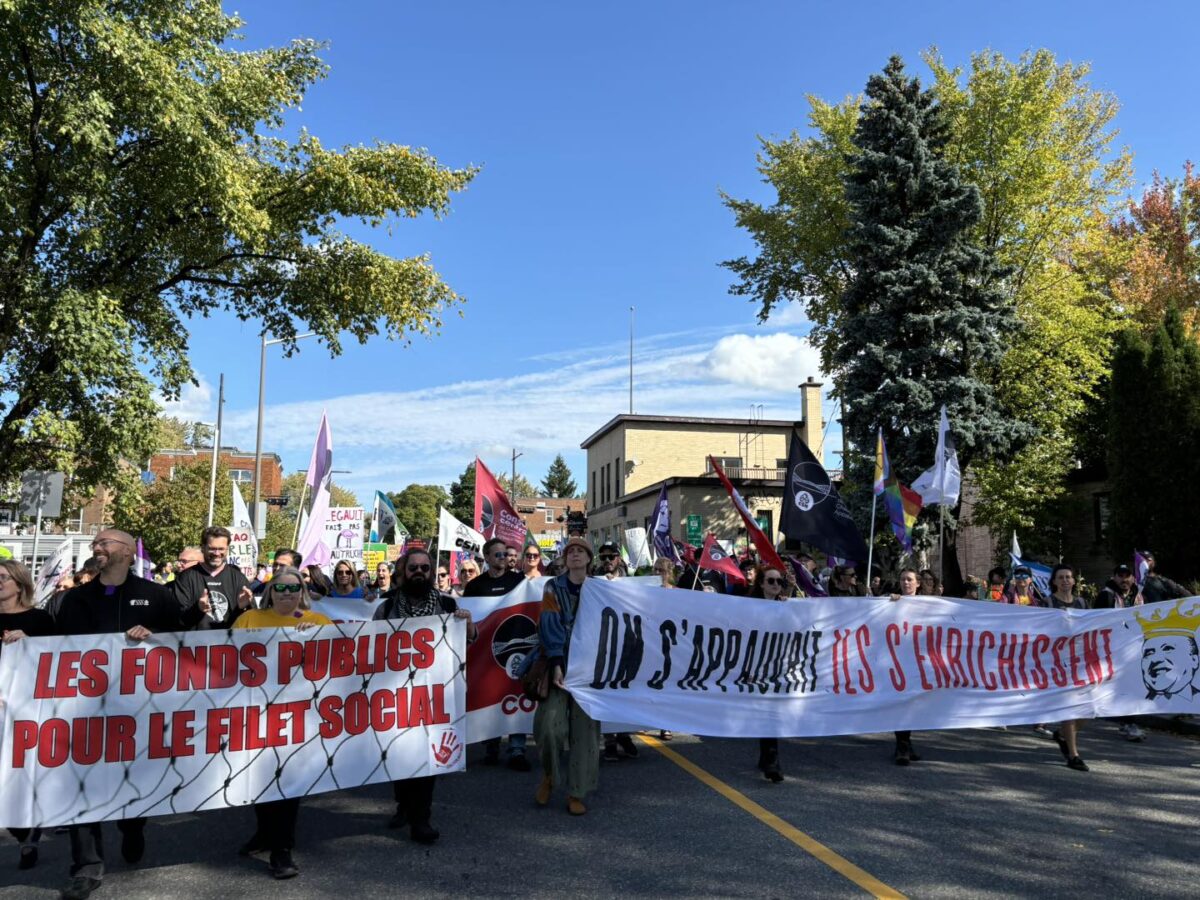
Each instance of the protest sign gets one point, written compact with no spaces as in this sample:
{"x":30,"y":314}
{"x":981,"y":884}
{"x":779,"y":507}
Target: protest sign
{"x":373,"y":554}
{"x":96,"y":728}
{"x":343,"y":535}
{"x":731,"y":666}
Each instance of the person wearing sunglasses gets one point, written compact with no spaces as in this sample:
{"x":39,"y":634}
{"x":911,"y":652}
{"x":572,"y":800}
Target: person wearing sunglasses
{"x":19,"y":618}
{"x":414,"y":596}
{"x":770,"y":584}
{"x":1022,"y":591}
{"x":345,"y":582}
{"x":468,"y":571}
{"x":495,"y":582}
{"x":531,"y":562}
{"x":286,"y":604}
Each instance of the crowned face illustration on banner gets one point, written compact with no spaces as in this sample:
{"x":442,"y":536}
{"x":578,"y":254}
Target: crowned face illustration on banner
{"x":1170,"y":656}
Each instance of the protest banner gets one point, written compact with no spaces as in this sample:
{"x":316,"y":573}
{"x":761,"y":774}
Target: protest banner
{"x":97,"y":728}
{"x":494,"y":514}
{"x":343,"y":535}
{"x":496,"y":704}
{"x":243,"y":544}
{"x":345,"y":609}
{"x":733,"y":666}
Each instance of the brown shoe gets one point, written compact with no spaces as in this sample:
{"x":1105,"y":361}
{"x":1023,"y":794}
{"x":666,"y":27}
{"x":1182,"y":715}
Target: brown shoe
{"x":575,"y":806}
{"x":542,"y":797}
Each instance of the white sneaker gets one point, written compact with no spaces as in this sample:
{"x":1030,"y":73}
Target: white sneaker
{"x":1123,"y":729}
{"x":1133,"y":733}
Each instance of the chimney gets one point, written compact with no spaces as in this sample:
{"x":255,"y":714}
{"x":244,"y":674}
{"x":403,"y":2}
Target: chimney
{"x":812,"y":429}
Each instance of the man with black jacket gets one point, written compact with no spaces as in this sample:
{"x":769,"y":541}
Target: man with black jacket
{"x":1155,"y":587}
{"x":218,"y":590}
{"x":414,"y":595}
{"x":117,"y":601}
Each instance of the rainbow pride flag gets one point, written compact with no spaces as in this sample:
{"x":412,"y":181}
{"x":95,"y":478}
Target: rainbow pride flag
{"x":903,"y":504}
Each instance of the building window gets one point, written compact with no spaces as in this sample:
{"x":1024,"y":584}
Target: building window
{"x":549,"y":515}
{"x":763,"y":518}
{"x":620,"y":477}
{"x":780,"y":463}
{"x":1100,"y":515}
{"x":725,"y":462}
{"x":594,"y":503}
{"x":241,"y":476}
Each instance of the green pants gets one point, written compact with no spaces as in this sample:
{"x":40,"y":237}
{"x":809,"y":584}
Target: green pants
{"x":561,"y":726}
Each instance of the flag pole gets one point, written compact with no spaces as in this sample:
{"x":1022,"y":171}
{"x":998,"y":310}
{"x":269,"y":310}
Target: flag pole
{"x":299,"y":513}
{"x":871,"y":542}
{"x":941,"y":539}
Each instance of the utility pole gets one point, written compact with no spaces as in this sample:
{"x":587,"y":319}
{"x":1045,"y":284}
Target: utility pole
{"x":631,"y":360}
{"x":512,"y":485}
{"x":262,"y":387}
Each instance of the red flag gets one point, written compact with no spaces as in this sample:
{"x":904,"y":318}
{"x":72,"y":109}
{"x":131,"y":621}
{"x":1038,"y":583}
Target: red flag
{"x":766,"y":550}
{"x":494,"y":515}
{"x":687,"y":552}
{"x":715,"y":559}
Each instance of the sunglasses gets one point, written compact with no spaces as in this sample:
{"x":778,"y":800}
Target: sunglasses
{"x":286,"y":588}
{"x":772,"y":581}
{"x":1021,"y":577}
{"x":443,"y":574}
{"x":423,"y":567}
{"x":533,"y":556}
{"x":605,"y":557}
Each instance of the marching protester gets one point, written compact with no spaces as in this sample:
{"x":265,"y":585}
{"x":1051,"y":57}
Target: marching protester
{"x":611,"y":566}
{"x":286,"y":604}
{"x":993,"y":590}
{"x":495,"y":582}
{"x":1063,"y":596}
{"x":1155,"y":587}
{"x":284,"y":557}
{"x":930,"y":585}
{"x":770,"y":584}
{"x":665,"y":569}
{"x":414,"y":595}
{"x":910,"y":586}
{"x":843,"y":582}
{"x":443,"y":581}
{"x":383,"y":581}
{"x":468,"y":571}
{"x":221,"y":591}
{"x":318,"y":584}
{"x":19,"y":618}
{"x":560,"y":724}
{"x":1119,"y":592}
{"x":531,"y":561}
{"x":117,"y":601}
{"x":188,"y":557}
{"x":345,"y":582}
{"x":512,"y":558}
{"x":1022,"y":591}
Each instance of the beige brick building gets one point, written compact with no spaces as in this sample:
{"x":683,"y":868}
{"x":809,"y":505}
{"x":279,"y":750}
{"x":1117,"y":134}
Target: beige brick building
{"x":631,"y":457}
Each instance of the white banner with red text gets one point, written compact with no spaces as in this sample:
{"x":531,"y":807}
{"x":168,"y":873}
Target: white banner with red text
{"x":735,"y":667}
{"x":96,"y":727}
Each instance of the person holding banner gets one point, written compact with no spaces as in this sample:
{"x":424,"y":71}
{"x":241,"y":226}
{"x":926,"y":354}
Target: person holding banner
{"x":286,"y":604}
{"x":415,"y":596}
{"x":1022,"y":591}
{"x":770,"y":584}
{"x":1063,"y":596}
{"x":117,"y":601}
{"x":910,"y":586}
{"x":383,"y":581}
{"x":19,"y":618}
{"x":560,"y":725}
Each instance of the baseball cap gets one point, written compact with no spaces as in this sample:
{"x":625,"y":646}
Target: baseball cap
{"x":1122,"y":569}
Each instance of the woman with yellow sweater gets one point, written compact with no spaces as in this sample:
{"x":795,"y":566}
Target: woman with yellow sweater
{"x":286,"y":604}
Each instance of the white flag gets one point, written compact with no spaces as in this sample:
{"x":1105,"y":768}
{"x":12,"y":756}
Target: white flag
{"x":943,"y":482}
{"x":1015,"y":550}
{"x":57,"y":565}
{"x":639,"y":548}
{"x":454,"y":536}
{"x":243,"y":549}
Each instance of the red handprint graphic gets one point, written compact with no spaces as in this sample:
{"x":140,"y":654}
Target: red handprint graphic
{"x":447,"y":752}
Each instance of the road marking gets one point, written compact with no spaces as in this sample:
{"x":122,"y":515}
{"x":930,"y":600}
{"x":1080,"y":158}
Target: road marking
{"x":813,"y":847}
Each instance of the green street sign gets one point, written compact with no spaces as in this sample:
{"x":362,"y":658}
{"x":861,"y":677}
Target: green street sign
{"x":695,"y":528}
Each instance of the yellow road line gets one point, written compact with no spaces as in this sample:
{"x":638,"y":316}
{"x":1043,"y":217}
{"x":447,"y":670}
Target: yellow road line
{"x":839,"y":864}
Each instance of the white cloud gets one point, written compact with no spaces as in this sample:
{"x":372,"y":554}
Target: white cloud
{"x":430,"y":435}
{"x":788,"y":314}
{"x":195,"y":403}
{"x":770,"y":361}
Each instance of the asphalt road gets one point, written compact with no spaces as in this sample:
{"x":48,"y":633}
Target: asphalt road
{"x":986,"y":813}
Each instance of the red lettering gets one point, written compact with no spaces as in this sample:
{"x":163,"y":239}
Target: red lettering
{"x":341,"y":657}
{"x":118,"y":739}
{"x":94,"y":677}
{"x":1106,"y":634}
{"x":1006,"y":661}
{"x":933,"y":650}
{"x":222,"y":666}
{"x":383,"y":718}
{"x":916,"y":641}
{"x":291,"y":654}
{"x":896,"y":672}
{"x":866,"y":678}
{"x":1041,"y":644}
{"x":423,"y":640}
{"x":356,"y":713}
{"x":160,"y":670}
{"x":216,"y":729}
{"x":133,"y":663}
{"x":331,"y":722}
{"x":987,"y":641}
{"x":316,"y":660}
{"x":1060,"y":673}
{"x":25,"y":732}
{"x":254,"y":670}
{"x":398,"y":641}
{"x":1091,"y":657}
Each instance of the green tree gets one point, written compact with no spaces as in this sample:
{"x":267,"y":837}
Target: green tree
{"x":1152,"y":462}
{"x":558,"y":481}
{"x":922,"y":317}
{"x":1038,"y":142}
{"x":145,"y":180}
{"x":462,"y":496}
{"x":525,"y":488}
{"x":417,"y":508}
{"x":171,"y":513}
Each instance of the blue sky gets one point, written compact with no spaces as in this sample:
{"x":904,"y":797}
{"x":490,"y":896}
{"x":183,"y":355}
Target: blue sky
{"x":605,"y":132}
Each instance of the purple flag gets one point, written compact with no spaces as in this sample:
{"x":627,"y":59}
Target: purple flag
{"x":143,"y":567}
{"x":804,"y":578}
{"x":1141,"y":568}
{"x":660,"y":528}
{"x":321,"y":462}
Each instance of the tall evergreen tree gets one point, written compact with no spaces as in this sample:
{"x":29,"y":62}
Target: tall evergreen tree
{"x":923,"y":319}
{"x":1152,"y":435}
{"x":558,"y":481}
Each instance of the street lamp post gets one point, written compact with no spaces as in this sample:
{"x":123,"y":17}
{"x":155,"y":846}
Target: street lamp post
{"x":262,"y":387}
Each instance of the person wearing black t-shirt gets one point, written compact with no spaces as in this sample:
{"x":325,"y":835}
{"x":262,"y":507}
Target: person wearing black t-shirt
{"x":18,"y":619}
{"x":219,"y":591}
{"x":495,"y":582}
{"x":117,"y":601}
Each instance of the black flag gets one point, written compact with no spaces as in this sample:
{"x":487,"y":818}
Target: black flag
{"x":812,"y":510}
